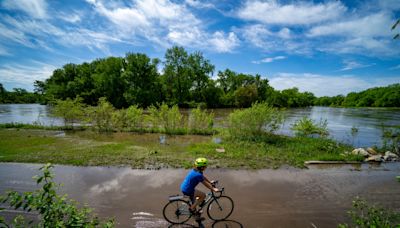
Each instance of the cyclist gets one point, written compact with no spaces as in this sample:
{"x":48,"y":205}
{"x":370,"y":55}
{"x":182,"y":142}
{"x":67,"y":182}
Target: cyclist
{"x":194,"y":177}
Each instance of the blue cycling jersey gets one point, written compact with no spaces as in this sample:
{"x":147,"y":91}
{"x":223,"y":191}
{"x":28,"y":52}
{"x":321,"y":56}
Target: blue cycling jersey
{"x":193,"y":178}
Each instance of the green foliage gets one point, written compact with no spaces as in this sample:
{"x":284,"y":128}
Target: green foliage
{"x":307,"y":127}
{"x":256,"y":120}
{"x":366,"y":216}
{"x":18,"y":96}
{"x":391,"y":140}
{"x":166,"y":120}
{"x":54,"y":210}
{"x":69,"y":110}
{"x":101,"y":116}
{"x":200,"y":121}
{"x":388,"y":96}
{"x":134,"y":116}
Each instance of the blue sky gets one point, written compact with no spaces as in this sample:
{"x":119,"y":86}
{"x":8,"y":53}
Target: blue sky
{"x":325,"y":47}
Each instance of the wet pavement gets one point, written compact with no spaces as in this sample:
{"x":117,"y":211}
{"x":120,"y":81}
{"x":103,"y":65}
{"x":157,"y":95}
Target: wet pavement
{"x":286,"y":197}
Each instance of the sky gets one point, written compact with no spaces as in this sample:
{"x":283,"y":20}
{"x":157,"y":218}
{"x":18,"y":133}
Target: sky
{"x":327,"y":47}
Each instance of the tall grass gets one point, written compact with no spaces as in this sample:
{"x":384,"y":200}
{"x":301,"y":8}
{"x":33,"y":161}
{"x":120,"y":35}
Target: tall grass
{"x":166,"y":120}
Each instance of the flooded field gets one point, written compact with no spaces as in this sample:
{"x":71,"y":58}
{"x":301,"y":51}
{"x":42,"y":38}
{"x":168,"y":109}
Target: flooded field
{"x":287,"y":197}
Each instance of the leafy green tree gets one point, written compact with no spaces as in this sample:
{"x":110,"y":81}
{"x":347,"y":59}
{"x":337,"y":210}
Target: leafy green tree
{"x":101,"y":116}
{"x":142,"y":80}
{"x":176,"y":77}
{"x":200,"y":71}
{"x":245,"y":96}
{"x":107,"y":81}
{"x":3,"y":94}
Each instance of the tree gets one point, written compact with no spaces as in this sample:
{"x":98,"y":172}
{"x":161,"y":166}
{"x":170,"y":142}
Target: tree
{"x":200,"y":71}
{"x":142,"y":80}
{"x":177,"y":79}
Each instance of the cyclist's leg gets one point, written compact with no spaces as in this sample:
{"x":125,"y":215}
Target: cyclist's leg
{"x":199,"y":197}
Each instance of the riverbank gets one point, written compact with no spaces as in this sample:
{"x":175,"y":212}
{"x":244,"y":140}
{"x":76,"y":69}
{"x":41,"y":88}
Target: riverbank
{"x":87,"y":148}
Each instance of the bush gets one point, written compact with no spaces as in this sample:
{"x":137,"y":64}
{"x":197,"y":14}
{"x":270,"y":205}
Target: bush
{"x":167,"y":120}
{"x":69,"y":110}
{"x":256,"y":120}
{"x":366,"y":216}
{"x":101,"y":115}
{"x":307,"y":127}
{"x":54,"y":210}
{"x":200,"y":121}
{"x":134,"y":116}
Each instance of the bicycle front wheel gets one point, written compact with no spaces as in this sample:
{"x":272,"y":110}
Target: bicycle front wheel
{"x":220,"y":208}
{"x":177,"y":211}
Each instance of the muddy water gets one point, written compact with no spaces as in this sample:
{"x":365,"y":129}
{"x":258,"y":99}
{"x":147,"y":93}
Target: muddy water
{"x":287,"y":197}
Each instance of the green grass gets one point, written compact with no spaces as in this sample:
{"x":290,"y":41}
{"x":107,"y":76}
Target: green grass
{"x":144,"y":150}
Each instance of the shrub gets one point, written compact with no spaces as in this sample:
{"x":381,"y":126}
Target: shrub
{"x":165,"y":119}
{"x":134,"y":116}
{"x":101,"y":115}
{"x":257,"y":119}
{"x":200,"y":121}
{"x":307,"y":127}
{"x":54,"y":210}
{"x":69,"y":110}
{"x":366,"y":216}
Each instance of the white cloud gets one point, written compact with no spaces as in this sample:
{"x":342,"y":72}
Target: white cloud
{"x":165,"y":23}
{"x":73,"y":18}
{"x":351,"y":65}
{"x":375,"y":25}
{"x":224,"y":43}
{"x":25,"y":74}
{"x":199,"y":4}
{"x":269,"y":60}
{"x":297,"y":13}
{"x":34,"y":8}
{"x":395,"y":67}
{"x":322,"y":85}
{"x":275,"y":41}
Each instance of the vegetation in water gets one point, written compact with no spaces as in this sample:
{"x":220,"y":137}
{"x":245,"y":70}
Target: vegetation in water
{"x":54,"y":210}
{"x":307,"y":127}
{"x":364,"y":215}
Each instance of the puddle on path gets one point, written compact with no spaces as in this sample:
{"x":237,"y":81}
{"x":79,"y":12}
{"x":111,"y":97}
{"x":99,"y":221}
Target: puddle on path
{"x":287,"y":197}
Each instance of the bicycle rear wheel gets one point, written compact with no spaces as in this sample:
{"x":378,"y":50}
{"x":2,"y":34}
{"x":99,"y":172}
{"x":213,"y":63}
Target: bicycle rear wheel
{"x":177,"y":211}
{"x":220,"y":208}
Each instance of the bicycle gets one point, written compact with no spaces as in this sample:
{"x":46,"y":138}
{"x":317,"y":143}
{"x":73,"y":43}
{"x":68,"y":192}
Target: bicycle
{"x":220,"y":207}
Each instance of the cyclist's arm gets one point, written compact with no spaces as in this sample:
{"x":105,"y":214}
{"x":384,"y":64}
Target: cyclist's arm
{"x":208,"y":184}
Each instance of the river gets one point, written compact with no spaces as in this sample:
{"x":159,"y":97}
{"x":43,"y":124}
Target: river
{"x":368,"y":121}
{"x":286,"y":197}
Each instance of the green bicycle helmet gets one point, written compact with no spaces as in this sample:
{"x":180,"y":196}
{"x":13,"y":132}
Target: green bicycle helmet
{"x":201,"y":162}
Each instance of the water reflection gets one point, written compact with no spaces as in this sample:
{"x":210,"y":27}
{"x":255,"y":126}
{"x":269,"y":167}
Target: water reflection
{"x":215,"y":224}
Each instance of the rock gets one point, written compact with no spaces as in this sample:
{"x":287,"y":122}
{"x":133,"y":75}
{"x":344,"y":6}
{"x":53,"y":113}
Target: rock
{"x":360,"y":151}
{"x":220,"y":150}
{"x":389,"y":156}
{"x":374,"y":158}
{"x":371,"y":151}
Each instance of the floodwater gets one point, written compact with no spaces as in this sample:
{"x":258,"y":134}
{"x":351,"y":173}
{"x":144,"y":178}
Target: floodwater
{"x":286,"y":197}
{"x":368,"y":121}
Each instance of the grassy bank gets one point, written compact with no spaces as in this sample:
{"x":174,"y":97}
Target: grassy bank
{"x":145,"y":151}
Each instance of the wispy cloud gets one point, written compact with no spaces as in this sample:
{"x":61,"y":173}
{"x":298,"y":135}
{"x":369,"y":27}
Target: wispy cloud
{"x":326,"y":85}
{"x":34,"y":8}
{"x":351,"y":65}
{"x":296,"y":13}
{"x":269,"y":60}
{"x":395,"y":67}
{"x":165,"y":23}
{"x":25,"y":75}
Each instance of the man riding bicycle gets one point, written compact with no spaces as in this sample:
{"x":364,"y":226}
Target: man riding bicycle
{"x":194,"y":177}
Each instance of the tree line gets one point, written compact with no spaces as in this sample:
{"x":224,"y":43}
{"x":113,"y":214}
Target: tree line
{"x":186,"y":79}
